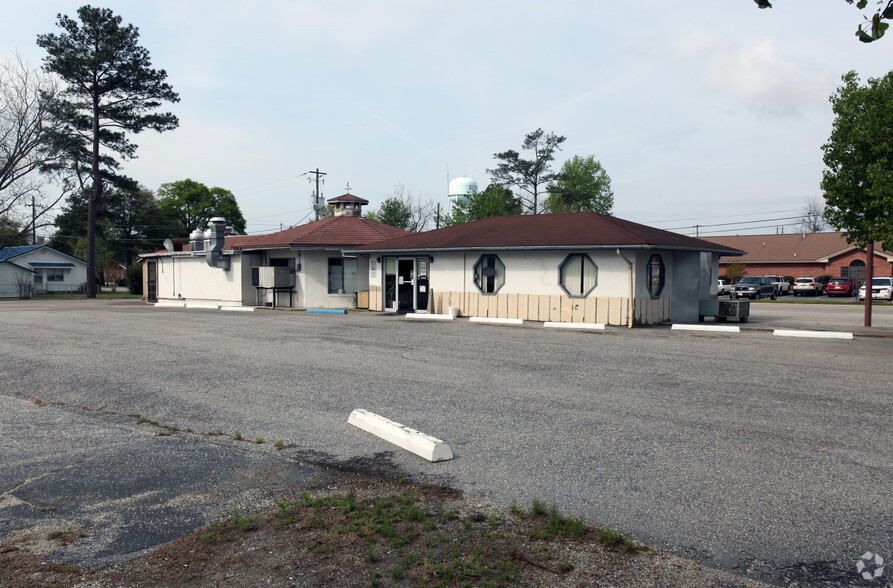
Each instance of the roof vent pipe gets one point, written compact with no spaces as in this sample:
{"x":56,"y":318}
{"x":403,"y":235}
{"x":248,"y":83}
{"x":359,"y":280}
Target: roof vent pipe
{"x":214,"y":240}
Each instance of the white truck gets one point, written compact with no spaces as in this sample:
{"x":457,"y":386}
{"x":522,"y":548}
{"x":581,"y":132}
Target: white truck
{"x":782,"y":286}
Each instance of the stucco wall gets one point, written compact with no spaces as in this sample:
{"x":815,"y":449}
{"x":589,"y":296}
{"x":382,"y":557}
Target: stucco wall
{"x":189,"y":277}
{"x":528,"y":273}
{"x":532,"y":290}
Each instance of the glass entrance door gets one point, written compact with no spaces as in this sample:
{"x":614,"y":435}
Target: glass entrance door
{"x":152,"y":281}
{"x":405,"y":285}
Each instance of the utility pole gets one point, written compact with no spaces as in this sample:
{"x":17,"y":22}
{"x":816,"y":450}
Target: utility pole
{"x":33,"y":221}
{"x":437,"y":217}
{"x":869,"y":277}
{"x":316,"y":173}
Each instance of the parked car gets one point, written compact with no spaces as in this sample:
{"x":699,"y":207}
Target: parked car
{"x":841,"y":287}
{"x":807,"y":286}
{"x":755,"y":287}
{"x":782,"y":286}
{"x":723,"y":287}
{"x":881,"y":288}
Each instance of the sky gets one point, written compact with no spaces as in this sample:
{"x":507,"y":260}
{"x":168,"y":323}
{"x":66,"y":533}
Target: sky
{"x":709,"y":117}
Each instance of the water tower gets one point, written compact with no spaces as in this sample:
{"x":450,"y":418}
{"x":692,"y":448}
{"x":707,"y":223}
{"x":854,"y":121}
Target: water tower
{"x":461,"y":189}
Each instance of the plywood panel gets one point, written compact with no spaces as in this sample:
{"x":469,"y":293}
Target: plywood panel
{"x":555,"y":308}
{"x":577,"y":313}
{"x":512,"y":304}
{"x":614,"y":311}
{"x":375,"y":298}
{"x":502,"y":305}
{"x":589,"y":306}
{"x":533,"y":307}
{"x":484,"y":305}
{"x":522,"y":307}
{"x":544,"y":307}
{"x":567,"y":309}
{"x":601,"y":311}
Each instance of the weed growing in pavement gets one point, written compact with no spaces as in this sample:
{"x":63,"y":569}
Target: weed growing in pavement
{"x":259,"y":440}
{"x":237,"y":436}
{"x":279,"y":445}
{"x":418,"y":540}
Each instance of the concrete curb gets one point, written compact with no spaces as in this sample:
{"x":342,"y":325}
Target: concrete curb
{"x":326,"y":311}
{"x":238,"y":308}
{"x":429,"y":317}
{"x":170,"y":304}
{"x":402,"y":436}
{"x":203,"y":305}
{"x":495,"y":321}
{"x":714,"y":328}
{"x":584,"y":326}
{"x":812,"y":334}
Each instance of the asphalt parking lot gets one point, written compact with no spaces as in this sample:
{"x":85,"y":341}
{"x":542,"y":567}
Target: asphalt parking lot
{"x":761,"y":455}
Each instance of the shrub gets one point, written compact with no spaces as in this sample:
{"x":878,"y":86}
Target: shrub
{"x":823,"y":278}
{"x":789,"y":280}
{"x":134,"y":277}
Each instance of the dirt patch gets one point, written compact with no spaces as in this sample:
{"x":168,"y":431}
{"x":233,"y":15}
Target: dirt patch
{"x":361,"y":531}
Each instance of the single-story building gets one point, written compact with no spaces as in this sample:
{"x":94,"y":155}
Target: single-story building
{"x":572,"y":267}
{"x":803,"y":254}
{"x":39,"y":269}
{"x":303,"y":266}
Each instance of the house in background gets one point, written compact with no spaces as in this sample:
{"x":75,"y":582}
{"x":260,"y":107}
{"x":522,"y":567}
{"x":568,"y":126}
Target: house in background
{"x":803,"y":254}
{"x":41,"y":270}
{"x":304,"y":266}
{"x":573,"y":267}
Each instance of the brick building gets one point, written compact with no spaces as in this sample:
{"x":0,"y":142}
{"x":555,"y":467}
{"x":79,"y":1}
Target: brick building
{"x":803,"y":254}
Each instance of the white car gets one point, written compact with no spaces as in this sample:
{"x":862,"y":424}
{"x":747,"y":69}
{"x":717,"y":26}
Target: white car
{"x":881,"y":289}
{"x":723,"y":287}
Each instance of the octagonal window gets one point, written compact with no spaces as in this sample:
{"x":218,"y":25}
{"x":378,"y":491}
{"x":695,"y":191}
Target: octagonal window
{"x":577,"y":275}
{"x":489,"y":274}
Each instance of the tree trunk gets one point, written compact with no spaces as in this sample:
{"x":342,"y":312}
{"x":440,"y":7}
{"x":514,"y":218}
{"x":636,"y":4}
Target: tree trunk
{"x":93,"y":205}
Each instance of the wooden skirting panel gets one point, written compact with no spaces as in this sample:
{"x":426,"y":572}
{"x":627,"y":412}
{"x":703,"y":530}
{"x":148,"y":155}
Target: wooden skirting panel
{"x":375,"y":298}
{"x":650,"y":312}
{"x":534,"y":307}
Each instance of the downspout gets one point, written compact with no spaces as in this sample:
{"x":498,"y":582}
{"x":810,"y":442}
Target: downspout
{"x":630,"y":308}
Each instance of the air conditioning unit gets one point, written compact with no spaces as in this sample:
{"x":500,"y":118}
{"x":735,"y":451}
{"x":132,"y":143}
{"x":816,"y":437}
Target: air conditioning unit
{"x":275,"y":277}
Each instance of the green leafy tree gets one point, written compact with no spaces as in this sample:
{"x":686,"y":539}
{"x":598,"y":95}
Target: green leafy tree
{"x":404,"y":211}
{"x":392,"y":211}
{"x":110,"y":90}
{"x":190,"y":204}
{"x":493,"y":201}
{"x":12,"y":233}
{"x":875,"y":26}
{"x":858,"y":181}
{"x":528,"y":176}
{"x":735,"y":271}
{"x":582,"y":184}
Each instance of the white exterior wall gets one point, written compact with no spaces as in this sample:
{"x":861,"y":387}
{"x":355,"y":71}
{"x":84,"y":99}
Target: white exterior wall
{"x":9,"y":277}
{"x":189,"y":277}
{"x":530,"y":272}
{"x":73,"y":278}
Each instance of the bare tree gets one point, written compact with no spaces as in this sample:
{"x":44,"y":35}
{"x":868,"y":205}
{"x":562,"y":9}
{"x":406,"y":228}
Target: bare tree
{"x":813,"y":219}
{"x":403,"y":210}
{"x":25,"y":285}
{"x":30,"y":179}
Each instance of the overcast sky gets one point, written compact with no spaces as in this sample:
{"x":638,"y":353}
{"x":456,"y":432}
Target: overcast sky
{"x":702,"y":113}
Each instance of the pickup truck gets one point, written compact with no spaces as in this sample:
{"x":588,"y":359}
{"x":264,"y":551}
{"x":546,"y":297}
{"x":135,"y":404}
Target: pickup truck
{"x":782,"y":286}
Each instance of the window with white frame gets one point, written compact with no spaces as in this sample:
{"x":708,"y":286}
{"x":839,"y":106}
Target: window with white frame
{"x":577,"y":275}
{"x":489,"y":274}
{"x":342,"y":275}
{"x":55,"y":275}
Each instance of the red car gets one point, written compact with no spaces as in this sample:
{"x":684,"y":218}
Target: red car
{"x":841,"y":287}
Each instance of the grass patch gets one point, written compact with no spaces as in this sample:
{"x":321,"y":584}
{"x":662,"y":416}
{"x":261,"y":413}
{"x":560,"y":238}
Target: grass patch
{"x":413,"y":537}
